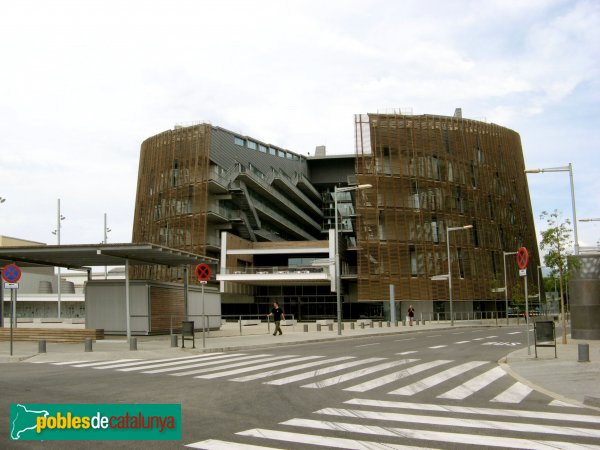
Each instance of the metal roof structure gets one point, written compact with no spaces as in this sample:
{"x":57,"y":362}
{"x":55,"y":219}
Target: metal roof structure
{"x":82,"y":256}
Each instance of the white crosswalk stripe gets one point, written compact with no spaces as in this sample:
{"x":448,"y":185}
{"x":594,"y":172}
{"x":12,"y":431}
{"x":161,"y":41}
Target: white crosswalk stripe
{"x":517,"y":413}
{"x":423,"y":425}
{"x":462,"y":422}
{"x":244,"y":362}
{"x":215,"y":444}
{"x":321,"y":441}
{"x":168,"y":363}
{"x":104,"y":363}
{"x":118,"y":365}
{"x":514,"y":394}
{"x":223,"y":359}
{"x":279,"y":362}
{"x":393,"y":377}
{"x":323,"y":371}
{"x":440,"y":436}
{"x":276,"y":372}
{"x":436,"y":379}
{"x":357,"y":374}
{"x":474,"y":385}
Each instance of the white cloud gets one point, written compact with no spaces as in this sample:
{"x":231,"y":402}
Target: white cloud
{"x":84,"y":83}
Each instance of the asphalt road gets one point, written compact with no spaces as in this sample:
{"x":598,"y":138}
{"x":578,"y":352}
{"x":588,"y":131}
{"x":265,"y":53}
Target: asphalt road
{"x":433,"y":389}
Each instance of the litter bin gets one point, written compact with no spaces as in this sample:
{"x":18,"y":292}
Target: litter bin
{"x":187,"y":333}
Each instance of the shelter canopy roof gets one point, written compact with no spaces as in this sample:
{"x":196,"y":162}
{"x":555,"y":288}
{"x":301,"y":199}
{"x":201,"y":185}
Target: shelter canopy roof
{"x":81,"y":256}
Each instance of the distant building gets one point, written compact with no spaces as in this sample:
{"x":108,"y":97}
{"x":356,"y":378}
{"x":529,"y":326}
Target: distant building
{"x":267,"y":213}
{"x":37,"y":296}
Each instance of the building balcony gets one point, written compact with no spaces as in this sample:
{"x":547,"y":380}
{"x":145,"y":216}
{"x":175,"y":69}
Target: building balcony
{"x":266,"y":276}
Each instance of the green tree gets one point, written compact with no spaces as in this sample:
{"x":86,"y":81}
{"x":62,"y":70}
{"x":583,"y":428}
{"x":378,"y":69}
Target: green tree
{"x":556,"y":241}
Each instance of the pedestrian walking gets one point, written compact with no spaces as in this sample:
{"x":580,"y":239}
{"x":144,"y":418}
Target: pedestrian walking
{"x":278,"y":316}
{"x":411,"y":314}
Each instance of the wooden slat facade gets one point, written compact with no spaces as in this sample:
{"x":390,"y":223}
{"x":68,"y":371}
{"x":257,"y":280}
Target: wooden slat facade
{"x":429,"y":173}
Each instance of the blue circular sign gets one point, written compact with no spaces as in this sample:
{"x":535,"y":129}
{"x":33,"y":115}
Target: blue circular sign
{"x":11,"y":273}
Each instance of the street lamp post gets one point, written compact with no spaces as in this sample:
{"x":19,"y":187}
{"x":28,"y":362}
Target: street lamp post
{"x":106,"y":231}
{"x":506,"y":282}
{"x":336,"y":190}
{"x":569,"y":169}
{"x":2,"y":200}
{"x":448,"y":230}
{"x":59,"y":219}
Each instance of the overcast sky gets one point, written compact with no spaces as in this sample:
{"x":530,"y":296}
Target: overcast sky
{"x":83,"y":83}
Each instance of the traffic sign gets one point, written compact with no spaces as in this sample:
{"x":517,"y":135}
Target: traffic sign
{"x":523,"y":272}
{"x":11,"y":273}
{"x":522,"y":258}
{"x":11,"y":285}
{"x":203,"y":272}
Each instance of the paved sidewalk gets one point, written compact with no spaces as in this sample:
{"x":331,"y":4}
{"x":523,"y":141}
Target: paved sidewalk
{"x":563,"y":378}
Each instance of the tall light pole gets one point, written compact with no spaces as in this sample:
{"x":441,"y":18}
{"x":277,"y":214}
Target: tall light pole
{"x":2,"y":200}
{"x":59,"y":219}
{"x":448,"y":230}
{"x":505,"y":281}
{"x":106,"y":231}
{"x":569,"y":169}
{"x":336,"y":190}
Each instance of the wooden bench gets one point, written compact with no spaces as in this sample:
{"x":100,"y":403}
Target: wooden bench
{"x":51,"y":334}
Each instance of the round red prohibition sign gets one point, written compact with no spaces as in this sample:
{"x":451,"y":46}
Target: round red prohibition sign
{"x":203,"y":272}
{"x":11,"y":273}
{"x":522,"y":258}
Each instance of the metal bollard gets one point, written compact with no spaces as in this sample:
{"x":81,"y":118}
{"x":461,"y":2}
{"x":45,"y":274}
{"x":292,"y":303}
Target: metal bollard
{"x":362,"y":325}
{"x":372,"y":324}
{"x":389,"y":324}
{"x":396,"y":323}
{"x":330,"y":326}
{"x":42,"y":346}
{"x":380,"y":324}
{"x":133,"y":343}
{"x":318,"y":327}
{"x":583,"y":352}
{"x":88,"y":344}
{"x":352,"y":325}
{"x":306,"y":328}
{"x":174,"y":340}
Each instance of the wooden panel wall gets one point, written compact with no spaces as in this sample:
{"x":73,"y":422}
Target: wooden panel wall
{"x":429,"y":173}
{"x":172,"y":196}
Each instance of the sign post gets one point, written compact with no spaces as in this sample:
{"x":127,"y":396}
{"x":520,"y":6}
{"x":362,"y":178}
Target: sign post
{"x":11,"y":274}
{"x":522,"y":260}
{"x":203,"y":275}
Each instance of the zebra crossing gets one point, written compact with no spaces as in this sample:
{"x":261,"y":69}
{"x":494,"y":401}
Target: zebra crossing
{"x":397,"y":376}
{"x":380,"y":424}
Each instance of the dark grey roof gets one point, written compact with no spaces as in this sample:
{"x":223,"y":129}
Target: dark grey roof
{"x":88,"y":255}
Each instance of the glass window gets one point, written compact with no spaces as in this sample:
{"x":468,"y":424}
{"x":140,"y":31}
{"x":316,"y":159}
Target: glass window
{"x":413,"y":260}
{"x":289,"y":156}
{"x":461,"y":262}
{"x":252,"y":145}
{"x":281,"y":154}
{"x":435,"y":236}
{"x":262,"y":149}
{"x":239,"y":141}
{"x":272,"y":151}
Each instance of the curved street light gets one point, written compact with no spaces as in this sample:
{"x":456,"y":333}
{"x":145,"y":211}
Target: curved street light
{"x":569,"y":169}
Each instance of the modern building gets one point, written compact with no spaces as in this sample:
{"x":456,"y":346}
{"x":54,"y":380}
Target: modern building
{"x":268,"y":213}
{"x":37,"y":296}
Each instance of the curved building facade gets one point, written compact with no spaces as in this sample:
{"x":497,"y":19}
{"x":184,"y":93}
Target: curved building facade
{"x":267,"y":214}
{"x":430,"y":173}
